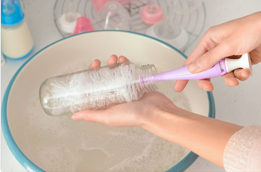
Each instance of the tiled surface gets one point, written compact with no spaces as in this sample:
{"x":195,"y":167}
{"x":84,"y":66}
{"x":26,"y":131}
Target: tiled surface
{"x":240,"y":105}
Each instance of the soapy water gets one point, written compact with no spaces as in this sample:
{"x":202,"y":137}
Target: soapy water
{"x":60,"y":144}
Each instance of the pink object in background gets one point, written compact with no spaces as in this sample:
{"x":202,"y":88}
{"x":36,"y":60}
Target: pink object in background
{"x":83,"y":25}
{"x":97,"y":4}
{"x":151,"y":14}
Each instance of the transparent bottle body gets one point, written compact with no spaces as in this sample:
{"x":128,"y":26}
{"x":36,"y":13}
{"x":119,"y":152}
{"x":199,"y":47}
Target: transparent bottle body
{"x":96,"y":88}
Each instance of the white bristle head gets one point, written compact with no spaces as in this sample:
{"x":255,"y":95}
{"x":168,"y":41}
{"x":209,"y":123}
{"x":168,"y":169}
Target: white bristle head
{"x":93,"y":89}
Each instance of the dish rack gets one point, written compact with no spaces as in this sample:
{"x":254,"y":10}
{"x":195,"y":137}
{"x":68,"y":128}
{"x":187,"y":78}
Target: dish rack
{"x":193,"y":22}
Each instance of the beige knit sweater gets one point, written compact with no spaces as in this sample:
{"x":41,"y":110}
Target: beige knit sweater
{"x":243,"y":150}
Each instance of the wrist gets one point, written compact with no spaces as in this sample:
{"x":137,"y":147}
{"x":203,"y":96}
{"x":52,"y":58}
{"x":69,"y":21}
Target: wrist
{"x":158,"y":114}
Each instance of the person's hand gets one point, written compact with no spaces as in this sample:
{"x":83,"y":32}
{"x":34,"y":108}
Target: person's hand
{"x":231,"y":39}
{"x":135,"y":113}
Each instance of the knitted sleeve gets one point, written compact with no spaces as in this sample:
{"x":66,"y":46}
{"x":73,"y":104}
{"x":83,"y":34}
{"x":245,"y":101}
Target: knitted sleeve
{"x":243,"y":150}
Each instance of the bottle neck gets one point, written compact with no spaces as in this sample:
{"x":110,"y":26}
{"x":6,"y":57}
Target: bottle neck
{"x":147,"y":82}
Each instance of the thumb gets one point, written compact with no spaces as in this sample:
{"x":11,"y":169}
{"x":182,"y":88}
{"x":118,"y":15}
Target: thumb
{"x":210,"y":58}
{"x":91,"y":116}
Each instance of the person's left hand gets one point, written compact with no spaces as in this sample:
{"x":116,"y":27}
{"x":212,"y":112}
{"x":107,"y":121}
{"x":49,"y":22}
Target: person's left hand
{"x":137,"y":113}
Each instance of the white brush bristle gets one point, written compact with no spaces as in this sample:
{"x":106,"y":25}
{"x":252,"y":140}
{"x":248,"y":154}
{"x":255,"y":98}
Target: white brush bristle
{"x":94,"y":89}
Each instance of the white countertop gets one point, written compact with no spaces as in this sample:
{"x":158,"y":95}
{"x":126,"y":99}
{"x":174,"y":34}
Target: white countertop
{"x":240,"y":105}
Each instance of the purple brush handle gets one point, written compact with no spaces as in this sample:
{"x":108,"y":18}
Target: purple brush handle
{"x":183,"y":73}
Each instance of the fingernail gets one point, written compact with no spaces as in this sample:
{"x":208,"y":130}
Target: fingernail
{"x":90,"y":65}
{"x":204,"y":88}
{"x":230,"y":84}
{"x":243,"y":75}
{"x":194,"y":67}
{"x":76,"y":118}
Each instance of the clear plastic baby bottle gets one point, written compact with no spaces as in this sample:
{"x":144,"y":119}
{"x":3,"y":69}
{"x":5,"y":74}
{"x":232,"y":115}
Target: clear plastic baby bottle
{"x":96,"y":88}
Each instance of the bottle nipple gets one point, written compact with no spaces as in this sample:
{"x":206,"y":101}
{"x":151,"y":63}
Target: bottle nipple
{"x":70,"y":15}
{"x":69,"y":18}
{"x":152,"y":13}
{"x":11,"y":12}
{"x":83,"y":25}
{"x":8,"y":7}
{"x":113,"y":16}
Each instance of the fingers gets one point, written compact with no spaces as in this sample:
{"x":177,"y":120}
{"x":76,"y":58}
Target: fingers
{"x":180,"y":85}
{"x":95,"y":64}
{"x":210,"y":58}
{"x":205,"y":84}
{"x":112,"y":60}
{"x":91,"y":116}
{"x":123,"y":59}
{"x":241,"y":74}
{"x":197,"y":52}
{"x":230,"y":79}
{"x":256,"y":55}
{"x":207,"y":43}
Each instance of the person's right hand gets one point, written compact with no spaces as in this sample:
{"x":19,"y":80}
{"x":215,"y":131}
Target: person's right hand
{"x":231,"y":39}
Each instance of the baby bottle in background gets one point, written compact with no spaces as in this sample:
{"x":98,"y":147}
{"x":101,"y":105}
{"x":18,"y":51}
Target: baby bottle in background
{"x":16,"y":39}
